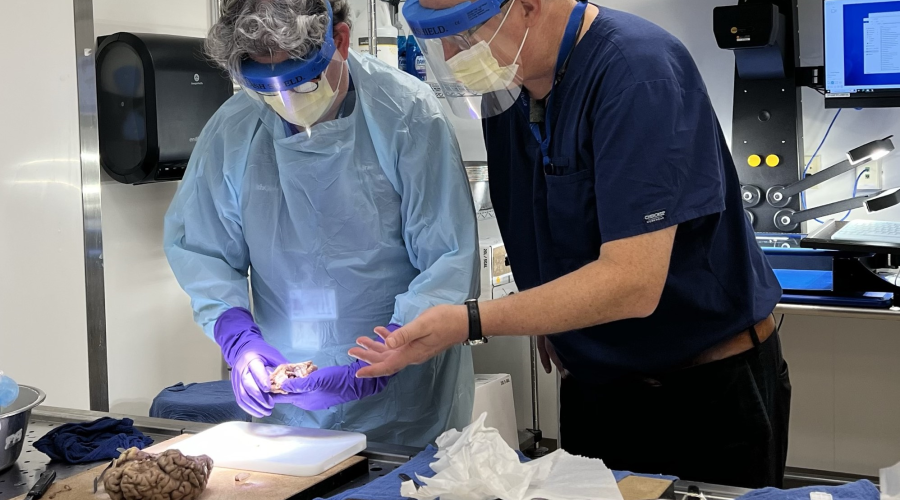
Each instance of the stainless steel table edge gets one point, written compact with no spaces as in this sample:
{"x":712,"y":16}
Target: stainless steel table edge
{"x":683,"y":491}
{"x":144,"y":424}
{"x":892,"y":314}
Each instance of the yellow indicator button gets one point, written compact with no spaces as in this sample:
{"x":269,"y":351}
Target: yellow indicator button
{"x":773,"y":160}
{"x":754,"y":160}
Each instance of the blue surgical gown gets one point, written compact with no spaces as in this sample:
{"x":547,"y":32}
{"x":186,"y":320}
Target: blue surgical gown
{"x":365,"y":221}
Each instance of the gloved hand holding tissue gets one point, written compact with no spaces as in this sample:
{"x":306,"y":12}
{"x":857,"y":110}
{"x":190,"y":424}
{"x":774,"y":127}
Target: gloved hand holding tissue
{"x":476,"y":464}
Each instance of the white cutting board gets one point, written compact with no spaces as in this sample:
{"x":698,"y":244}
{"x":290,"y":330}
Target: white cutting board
{"x":275,"y":449}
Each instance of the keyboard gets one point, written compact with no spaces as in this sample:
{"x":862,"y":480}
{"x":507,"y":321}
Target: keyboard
{"x":869,"y":231}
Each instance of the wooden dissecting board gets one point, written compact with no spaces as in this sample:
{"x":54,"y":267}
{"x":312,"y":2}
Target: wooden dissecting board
{"x":641,"y":488}
{"x":222,"y":484}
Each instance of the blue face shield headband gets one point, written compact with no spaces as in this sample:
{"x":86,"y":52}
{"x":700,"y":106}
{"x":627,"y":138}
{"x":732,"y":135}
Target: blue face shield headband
{"x":290,"y":74}
{"x":428,"y":23}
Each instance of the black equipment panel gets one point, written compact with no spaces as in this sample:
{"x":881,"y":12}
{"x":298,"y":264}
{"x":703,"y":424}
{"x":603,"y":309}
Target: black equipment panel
{"x":768,"y":120}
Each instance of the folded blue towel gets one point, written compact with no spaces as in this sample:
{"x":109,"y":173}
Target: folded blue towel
{"x":388,"y":487}
{"x":92,"y":441}
{"x":207,"y":402}
{"x":860,"y":490}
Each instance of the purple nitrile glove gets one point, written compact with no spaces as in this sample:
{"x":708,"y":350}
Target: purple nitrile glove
{"x":332,"y":385}
{"x":251,"y":359}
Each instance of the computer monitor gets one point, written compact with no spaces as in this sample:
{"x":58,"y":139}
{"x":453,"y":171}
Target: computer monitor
{"x":862,"y":53}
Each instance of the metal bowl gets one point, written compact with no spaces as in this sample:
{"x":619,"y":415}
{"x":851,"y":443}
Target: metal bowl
{"x":14,"y":424}
{"x":477,"y":172}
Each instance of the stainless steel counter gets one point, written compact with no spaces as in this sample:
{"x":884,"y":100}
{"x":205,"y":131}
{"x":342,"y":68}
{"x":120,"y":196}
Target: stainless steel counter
{"x":18,"y":480}
{"x":892,"y":314}
{"x":689,"y":490}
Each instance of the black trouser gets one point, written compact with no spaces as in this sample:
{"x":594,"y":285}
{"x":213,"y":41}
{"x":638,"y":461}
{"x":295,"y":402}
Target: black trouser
{"x":724,"y":422}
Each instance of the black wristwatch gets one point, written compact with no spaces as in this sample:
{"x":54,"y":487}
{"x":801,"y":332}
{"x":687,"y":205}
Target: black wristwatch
{"x":475,"y":336}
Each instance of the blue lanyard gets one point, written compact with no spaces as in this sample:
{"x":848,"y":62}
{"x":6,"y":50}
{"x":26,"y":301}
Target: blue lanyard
{"x":565,"y":49}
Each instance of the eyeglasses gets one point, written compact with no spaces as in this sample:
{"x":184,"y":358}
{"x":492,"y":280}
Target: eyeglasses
{"x":464,"y":38}
{"x":303,"y":88}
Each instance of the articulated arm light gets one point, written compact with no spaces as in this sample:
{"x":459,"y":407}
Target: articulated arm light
{"x":787,"y":219}
{"x":870,"y":152}
{"x":780,"y":196}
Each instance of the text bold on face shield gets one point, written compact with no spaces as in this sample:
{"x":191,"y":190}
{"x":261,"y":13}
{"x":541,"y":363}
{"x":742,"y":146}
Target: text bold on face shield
{"x":260,"y":87}
{"x":293,"y":82}
{"x":429,"y":31}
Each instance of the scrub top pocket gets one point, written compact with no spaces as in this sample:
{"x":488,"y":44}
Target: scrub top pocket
{"x":572,"y":215}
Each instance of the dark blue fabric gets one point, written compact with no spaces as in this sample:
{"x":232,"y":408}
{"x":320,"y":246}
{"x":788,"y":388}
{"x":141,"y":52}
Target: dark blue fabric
{"x":543,"y":132}
{"x":388,"y":487}
{"x":92,"y":441}
{"x":636,"y":148}
{"x":860,"y":490}
{"x":207,"y":402}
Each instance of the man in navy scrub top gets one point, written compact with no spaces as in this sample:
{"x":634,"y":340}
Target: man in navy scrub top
{"x":620,"y":207}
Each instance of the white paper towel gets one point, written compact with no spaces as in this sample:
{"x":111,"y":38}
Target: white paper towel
{"x":576,"y":478}
{"x":889,"y":482}
{"x":476,"y":464}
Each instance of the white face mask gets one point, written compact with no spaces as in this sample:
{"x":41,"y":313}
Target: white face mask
{"x":304,"y":109}
{"x":478,"y":69}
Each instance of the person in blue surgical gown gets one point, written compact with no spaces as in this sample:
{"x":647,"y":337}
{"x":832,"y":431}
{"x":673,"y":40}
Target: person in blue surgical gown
{"x":328,"y":197}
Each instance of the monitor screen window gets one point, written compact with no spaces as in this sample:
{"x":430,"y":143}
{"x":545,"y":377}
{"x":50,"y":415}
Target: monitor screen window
{"x":862,"y":52}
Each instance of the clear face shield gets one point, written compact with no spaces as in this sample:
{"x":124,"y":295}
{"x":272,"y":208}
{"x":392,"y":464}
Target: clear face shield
{"x":307,"y":102}
{"x":471,"y":54}
{"x":301,"y":91}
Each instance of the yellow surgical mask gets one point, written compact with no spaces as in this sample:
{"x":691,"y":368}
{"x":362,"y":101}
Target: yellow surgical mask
{"x":478,"y":69}
{"x":304,"y":109}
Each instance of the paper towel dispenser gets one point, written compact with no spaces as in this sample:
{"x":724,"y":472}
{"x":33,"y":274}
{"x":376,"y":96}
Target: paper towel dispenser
{"x":154,"y":95}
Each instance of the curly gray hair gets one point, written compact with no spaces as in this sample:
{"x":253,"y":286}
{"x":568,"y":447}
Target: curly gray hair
{"x":264,"y":27}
